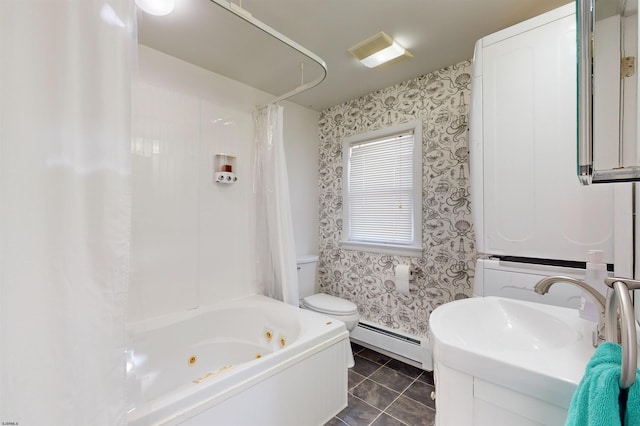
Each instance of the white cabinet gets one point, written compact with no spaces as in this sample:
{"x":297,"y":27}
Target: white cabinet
{"x":527,"y":199}
{"x":463,"y":399}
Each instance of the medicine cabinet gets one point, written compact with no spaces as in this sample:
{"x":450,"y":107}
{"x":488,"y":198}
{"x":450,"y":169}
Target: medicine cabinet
{"x":607,"y":91}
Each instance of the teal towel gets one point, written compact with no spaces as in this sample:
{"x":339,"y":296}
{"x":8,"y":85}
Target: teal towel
{"x":632,"y":416}
{"x":596,"y":400}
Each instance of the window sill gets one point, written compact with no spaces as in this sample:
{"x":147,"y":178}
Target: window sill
{"x":398,"y":250}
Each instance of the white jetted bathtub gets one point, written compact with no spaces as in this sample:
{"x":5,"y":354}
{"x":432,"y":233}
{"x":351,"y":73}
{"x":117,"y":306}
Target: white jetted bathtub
{"x":253,"y":361}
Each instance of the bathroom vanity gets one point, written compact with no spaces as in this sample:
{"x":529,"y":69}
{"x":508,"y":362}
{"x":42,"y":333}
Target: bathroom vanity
{"x":501,"y":361}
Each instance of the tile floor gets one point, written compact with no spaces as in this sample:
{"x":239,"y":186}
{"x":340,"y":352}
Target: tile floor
{"x":386,"y":392}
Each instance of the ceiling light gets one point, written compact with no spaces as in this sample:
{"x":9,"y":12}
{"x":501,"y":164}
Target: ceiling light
{"x":378,"y":50}
{"x":156,"y":7}
{"x":385,"y":55}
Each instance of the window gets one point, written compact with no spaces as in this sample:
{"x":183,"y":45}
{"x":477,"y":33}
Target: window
{"x":383,"y":191}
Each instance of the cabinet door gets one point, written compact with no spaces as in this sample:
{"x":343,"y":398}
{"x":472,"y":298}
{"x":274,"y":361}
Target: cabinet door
{"x":534,"y":203}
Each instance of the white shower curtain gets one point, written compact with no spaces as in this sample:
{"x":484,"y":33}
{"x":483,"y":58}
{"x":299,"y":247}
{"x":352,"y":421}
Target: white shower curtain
{"x":275,"y":247}
{"x":65,"y":71}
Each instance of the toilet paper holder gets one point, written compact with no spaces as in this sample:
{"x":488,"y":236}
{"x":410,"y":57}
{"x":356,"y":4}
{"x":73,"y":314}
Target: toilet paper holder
{"x":404,"y":274}
{"x":413,"y":270}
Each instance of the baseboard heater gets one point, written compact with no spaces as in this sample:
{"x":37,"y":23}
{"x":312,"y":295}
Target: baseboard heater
{"x":411,"y":349}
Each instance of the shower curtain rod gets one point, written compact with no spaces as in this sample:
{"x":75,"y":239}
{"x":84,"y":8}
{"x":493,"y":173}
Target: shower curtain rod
{"x":246,"y":15}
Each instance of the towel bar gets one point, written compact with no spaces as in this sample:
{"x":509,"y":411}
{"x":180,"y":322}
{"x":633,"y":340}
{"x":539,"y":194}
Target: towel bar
{"x":629,"y":342}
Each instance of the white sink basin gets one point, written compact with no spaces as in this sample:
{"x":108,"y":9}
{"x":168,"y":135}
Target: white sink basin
{"x":496,"y":322}
{"x":538,"y":349}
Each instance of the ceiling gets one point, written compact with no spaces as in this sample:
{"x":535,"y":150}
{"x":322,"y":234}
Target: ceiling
{"x":438,"y":33}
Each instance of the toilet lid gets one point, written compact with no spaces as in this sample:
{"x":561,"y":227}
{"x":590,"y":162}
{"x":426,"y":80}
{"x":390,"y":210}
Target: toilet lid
{"x":328,"y":304}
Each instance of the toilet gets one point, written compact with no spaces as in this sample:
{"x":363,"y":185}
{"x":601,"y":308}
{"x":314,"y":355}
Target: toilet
{"x":335,"y":307}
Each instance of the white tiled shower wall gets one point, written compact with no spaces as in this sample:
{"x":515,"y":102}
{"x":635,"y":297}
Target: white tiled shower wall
{"x":192,"y":239}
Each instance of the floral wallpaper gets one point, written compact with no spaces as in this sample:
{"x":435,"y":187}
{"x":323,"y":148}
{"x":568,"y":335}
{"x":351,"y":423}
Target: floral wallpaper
{"x":445,"y":271}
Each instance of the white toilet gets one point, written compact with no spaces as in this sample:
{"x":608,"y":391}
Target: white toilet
{"x":335,"y":307}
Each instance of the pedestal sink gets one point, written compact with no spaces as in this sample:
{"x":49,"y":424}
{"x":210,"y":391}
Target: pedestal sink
{"x":503,"y":361}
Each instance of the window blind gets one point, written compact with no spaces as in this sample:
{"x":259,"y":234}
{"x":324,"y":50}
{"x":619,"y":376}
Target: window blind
{"x":380,"y":193}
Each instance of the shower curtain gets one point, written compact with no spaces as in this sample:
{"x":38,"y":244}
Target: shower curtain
{"x":276,"y":272}
{"x":65,"y":70}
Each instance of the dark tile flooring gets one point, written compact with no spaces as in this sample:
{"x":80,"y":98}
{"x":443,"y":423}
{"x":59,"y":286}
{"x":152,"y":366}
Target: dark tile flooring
{"x":386,"y":392}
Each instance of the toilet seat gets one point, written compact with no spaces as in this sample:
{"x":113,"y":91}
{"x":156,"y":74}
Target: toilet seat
{"x":330,"y":305}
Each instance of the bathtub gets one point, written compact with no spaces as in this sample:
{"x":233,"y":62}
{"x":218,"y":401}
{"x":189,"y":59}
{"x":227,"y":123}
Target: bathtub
{"x":252,"y":361}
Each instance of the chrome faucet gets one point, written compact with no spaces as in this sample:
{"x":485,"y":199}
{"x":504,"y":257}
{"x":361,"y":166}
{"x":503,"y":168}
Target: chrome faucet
{"x":543,"y":288}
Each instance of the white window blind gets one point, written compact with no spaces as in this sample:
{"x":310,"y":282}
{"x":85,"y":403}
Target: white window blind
{"x":381,"y":193}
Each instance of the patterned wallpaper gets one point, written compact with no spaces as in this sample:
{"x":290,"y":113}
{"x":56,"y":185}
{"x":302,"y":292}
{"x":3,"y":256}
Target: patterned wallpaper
{"x":445,"y":271}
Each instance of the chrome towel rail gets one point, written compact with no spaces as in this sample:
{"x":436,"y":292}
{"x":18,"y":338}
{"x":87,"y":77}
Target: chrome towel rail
{"x":628,"y":339}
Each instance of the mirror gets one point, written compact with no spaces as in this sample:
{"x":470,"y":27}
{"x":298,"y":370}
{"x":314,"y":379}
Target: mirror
{"x":607,"y":91}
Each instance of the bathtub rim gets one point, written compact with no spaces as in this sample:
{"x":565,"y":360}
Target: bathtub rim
{"x":167,"y":319}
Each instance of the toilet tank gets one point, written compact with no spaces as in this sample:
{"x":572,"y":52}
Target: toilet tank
{"x":307,"y":275}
